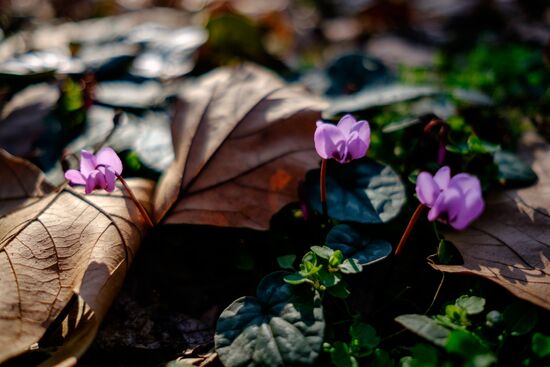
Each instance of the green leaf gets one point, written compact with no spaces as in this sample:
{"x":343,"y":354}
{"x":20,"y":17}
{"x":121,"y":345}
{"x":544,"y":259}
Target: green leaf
{"x":512,"y":171}
{"x":283,"y":325}
{"x":286,"y":261}
{"x":381,"y":358}
{"x":357,"y":245}
{"x":493,"y":318}
{"x":340,"y":290}
{"x":309,"y":266}
{"x":341,"y":356}
{"x":350,"y":266}
{"x":329,"y":279}
{"x":472,"y":305}
{"x":425,"y":327}
{"x":469,"y":347}
{"x":363,"y":336}
{"x":336,"y":259}
{"x":323,"y":252}
{"x":457,"y":315}
{"x":480,"y":146}
{"x":363,"y":191}
{"x":541,"y":345}
{"x":424,"y":355}
{"x":520,"y":318}
{"x":296,"y":279}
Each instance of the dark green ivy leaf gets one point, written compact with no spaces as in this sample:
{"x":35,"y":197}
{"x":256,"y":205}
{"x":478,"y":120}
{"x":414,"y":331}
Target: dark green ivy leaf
{"x":512,"y":171}
{"x":282,"y":326}
{"x":363,"y":336}
{"x":340,"y":355}
{"x":357,"y":245}
{"x":425,"y":327}
{"x":363,"y":191}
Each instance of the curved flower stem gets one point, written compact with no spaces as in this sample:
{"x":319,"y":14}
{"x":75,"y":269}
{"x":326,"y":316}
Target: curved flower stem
{"x":409,"y":228}
{"x":142,"y":210}
{"x":442,"y":136}
{"x":323,"y":186}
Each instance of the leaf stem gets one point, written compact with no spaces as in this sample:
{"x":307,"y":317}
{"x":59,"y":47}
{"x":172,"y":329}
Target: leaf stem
{"x":409,"y":228}
{"x":323,"y":188}
{"x":436,"y":231}
{"x":142,"y":210}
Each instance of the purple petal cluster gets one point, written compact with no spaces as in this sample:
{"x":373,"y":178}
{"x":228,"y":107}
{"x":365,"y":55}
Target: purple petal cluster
{"x":344,"y":142}
{"x":457,"y":201}
{"x":97,"y":171}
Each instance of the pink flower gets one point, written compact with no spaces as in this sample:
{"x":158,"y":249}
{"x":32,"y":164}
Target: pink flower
{"x":344,"y":142}
{"x":97,"y":171}
{"x":457,"y":200}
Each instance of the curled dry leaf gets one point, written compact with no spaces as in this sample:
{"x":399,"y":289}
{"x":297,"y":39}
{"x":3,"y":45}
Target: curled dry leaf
{"x":510,"y":243}
{"x":55,"y":244}
{"x":242,"y":140}
{"x":22,"y":118}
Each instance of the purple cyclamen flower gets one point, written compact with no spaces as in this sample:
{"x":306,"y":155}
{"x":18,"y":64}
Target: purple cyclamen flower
{"x":457,"y":200}
{"x":96,"y":171}
{"x":344,"y":142}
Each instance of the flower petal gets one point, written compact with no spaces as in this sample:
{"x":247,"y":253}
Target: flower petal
{"x":442,"y":177}
{"x":88,"y":163}
{"x":75,"y":177}
{"x":359,"y":140}
{"x":329,"y":141}
{"x":346,"y":123}
{"x":427,"y":189}
{"x":357,"y":148}
{"x":473,"y":206}
{"x":110,"y":179}
{"x":472,"y":197}
{"x":466,"y":183}
{"x":448,"y":206}
{"x":108,"y":157}
{"x":91,"y":182}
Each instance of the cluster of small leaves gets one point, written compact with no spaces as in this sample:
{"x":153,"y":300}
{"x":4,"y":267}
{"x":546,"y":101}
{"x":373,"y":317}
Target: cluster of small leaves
{"x":363,"y":346}
{"x":466,"y":338}
{"x":323,"y":267}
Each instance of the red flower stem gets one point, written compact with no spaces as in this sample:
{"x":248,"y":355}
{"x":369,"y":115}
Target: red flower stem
{"x":142,"y":210}
{"x":323,"y":186}
{"x":409,"y":228}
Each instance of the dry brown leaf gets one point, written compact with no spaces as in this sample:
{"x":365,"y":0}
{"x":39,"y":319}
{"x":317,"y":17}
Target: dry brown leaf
{"x":22,"y":118}
{"x":510,"y":243}
{"x":242,"y":139}
{"x":21,"y":183}
{"x":56,"y":245}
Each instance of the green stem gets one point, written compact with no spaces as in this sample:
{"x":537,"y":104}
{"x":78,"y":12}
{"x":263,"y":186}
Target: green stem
{"x":409,"y":228}
{"x":436,"y":231}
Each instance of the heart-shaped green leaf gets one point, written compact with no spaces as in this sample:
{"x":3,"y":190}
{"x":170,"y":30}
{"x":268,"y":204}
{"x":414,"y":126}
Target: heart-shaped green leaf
{"x":363,"y":191}
{"x":357,"y":245}
{"x":473,"y":305}
{"x":425,"y":327}
{"x":282,"y":326}
{"x":512,"y":171}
